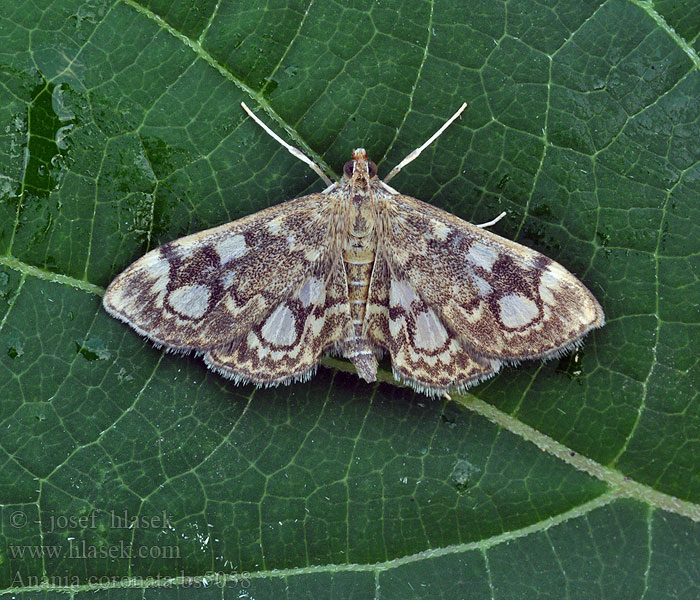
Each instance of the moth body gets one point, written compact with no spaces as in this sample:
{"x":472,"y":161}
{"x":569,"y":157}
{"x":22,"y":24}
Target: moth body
{"x":359,"y":252}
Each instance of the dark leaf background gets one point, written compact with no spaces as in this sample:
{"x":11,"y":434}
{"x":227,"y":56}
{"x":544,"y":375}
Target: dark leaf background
{"x":121,"y":130}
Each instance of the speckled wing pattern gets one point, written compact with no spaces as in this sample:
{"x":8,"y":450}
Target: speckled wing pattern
{"x":288,"y":342}
{"x":425,"y":353}
{"x":454,"y":302}
{"x":259,"y":297}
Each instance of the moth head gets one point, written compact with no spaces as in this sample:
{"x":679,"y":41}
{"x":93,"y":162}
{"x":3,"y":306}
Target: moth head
{"x":360,"y":168}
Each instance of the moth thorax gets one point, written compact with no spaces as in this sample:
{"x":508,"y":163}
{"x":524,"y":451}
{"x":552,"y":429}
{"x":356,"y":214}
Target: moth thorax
{"x":361,"y":216}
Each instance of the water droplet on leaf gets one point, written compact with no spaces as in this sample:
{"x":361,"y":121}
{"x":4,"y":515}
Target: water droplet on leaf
{"x":92,"y":349}
{"x":15,"y":345}
{"x":463,"y":475}
{"x":502,"y":183}
{"x":571,"y":364}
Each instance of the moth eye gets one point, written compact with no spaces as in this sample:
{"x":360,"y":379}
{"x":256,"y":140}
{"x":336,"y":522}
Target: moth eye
{"x":372,"y":169}
{"x":349,"y":167}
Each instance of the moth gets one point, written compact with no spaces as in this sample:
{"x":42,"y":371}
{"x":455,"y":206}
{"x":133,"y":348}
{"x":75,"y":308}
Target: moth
{"x":356,"y":270}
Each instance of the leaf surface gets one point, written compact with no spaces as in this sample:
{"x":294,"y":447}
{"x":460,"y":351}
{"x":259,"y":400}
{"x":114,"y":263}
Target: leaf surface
{"x":122,"y":130}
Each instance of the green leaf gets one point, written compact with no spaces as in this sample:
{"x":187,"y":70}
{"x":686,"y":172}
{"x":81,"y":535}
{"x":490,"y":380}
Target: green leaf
{"x":125,"y":468}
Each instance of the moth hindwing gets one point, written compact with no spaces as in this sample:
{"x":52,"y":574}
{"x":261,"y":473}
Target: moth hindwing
{"x":356,"y":270}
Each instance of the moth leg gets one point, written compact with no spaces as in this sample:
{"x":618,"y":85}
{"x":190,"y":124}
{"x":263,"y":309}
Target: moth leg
{"x":492,"y":221}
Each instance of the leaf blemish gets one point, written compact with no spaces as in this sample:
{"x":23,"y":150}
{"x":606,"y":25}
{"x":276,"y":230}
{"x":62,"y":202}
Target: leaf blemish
{"x":92,"y":349}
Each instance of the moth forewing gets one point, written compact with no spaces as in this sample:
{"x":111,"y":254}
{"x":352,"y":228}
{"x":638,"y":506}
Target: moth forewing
{"x":504,"y":300}
{"x":356,"y":270}
{"x":209,"y":289}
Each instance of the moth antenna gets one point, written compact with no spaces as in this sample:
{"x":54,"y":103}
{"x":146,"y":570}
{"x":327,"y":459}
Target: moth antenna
{"x":413,"y":155}
{"x":492,"y":221}
{"x":292,"y":150}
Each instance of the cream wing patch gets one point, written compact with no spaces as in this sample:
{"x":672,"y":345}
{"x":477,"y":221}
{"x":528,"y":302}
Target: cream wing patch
{"x":191,"y":301}
{"x":231,"y":247}
{"x":430,"y":333}
{"x":280,"y":327}
{"x":482,"y":256}
{"x":310,"y":292}
{"x":517,"y":311}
